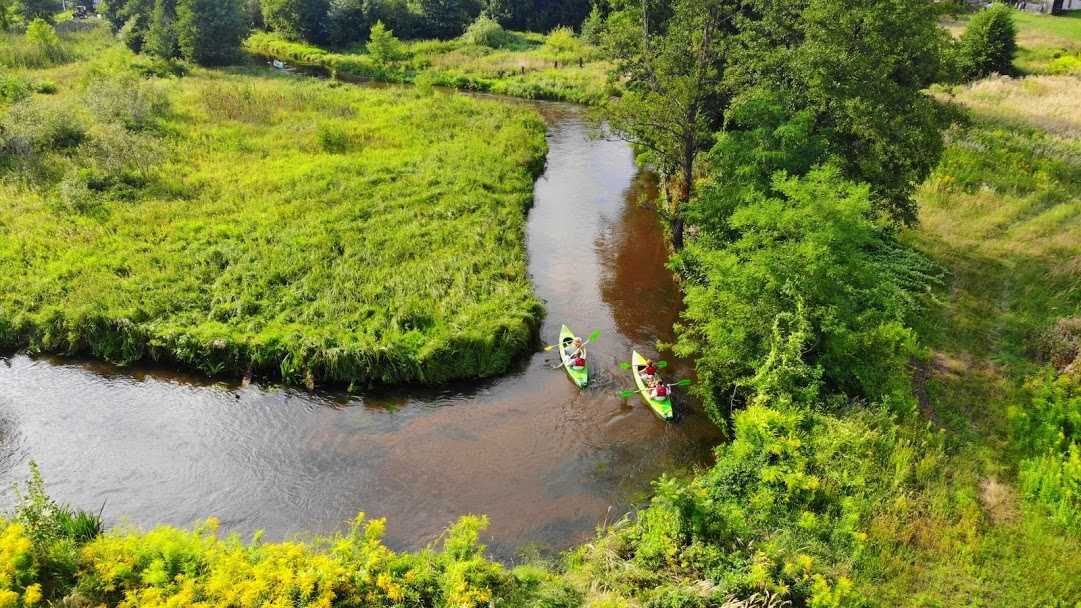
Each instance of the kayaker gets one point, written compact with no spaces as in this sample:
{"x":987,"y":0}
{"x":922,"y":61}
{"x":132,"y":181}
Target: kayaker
{"x":650,"y":370}
{"x":577,"y":348}
{"x":658,"y":390}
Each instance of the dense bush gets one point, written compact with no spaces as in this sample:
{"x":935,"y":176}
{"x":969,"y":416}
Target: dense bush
{"x":1047,"y":432}
{"x":989,"y":44}
{"x":44,"y":545}
{"x":298,"y":19}
{"x":804,"y":264}
{"x":210,"y":32}
{"x":486,"y":31}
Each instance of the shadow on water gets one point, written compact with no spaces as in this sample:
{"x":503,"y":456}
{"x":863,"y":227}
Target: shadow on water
{"x":545,"y":461}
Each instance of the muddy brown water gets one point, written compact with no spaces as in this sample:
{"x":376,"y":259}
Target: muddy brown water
{"x":545,"y":461}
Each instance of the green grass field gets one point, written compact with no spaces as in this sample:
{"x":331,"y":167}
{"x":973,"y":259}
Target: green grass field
{"x":242,"y":221}
{"x":526,"y":67}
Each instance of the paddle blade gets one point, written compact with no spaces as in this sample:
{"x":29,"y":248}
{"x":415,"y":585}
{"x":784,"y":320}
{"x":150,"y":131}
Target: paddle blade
{"x":593,"y":337}
{"x":683,"y":383}
{"x":628,"y":394}
{"x":624,"y":365}
{"x":548,"y":349}
{"x":662,"y":364}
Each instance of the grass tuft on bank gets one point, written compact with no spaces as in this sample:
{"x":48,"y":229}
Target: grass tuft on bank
{"x":235,"y":222}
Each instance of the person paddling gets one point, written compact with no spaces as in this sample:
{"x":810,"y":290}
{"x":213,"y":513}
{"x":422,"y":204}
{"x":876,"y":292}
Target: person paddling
{"x":577,"y":354}
{"x":650,"y":370}
{"x":658,"y":390}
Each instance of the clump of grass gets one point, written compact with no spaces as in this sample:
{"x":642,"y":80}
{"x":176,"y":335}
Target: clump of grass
{"x":302,"y":230}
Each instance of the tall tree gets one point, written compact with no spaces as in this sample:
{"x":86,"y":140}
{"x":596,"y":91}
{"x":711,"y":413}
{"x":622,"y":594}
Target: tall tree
{"x":161,"y":37}
{"x":347,"y":22}
{"x":210,"y":31}
{"x":448,"y":18}
{"x":859,"y":68}
{"x":673,"y":69}
{"x":298,"y":19}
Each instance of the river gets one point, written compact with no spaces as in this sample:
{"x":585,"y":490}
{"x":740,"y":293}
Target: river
{"x":548,"y":463}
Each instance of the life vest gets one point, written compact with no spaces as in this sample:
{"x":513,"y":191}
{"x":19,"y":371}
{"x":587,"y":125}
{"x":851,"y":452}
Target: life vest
{"x":661,"y":391}
{"x":579,"y":362}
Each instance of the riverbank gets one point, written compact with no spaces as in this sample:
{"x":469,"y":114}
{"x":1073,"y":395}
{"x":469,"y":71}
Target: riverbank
{"x":530,"y":66}
{"x":241,"y":222}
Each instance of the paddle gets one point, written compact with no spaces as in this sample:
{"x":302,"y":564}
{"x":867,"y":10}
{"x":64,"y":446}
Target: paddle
{"x":626,"y":394}
{"x":659,"y":364}
{"x":593,"y":337}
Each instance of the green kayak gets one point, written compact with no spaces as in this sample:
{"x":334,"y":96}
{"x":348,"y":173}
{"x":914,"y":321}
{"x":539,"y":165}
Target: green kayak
{"x":659,"y":407}
{"x":580,"y":375}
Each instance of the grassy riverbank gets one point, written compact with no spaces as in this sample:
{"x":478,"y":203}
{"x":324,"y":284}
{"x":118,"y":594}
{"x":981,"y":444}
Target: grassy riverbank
{"x":235,"y":221}
{"x":527,"y":65}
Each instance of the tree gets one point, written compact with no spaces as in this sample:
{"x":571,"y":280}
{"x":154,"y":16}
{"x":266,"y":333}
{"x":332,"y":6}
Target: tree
{"x":446,"y":19}
{"x":298,"y":19}
{"x":347,"y":23}
{"x":8,"y":16}
{"x":161,"y":37}
{"x":210,"y":32}
{"x":672,"y":70}
{"x":859,"y":69}
{"x":989,"y":44}
{"x":41,"y":33}
{"x":383,"y":46}
{"x":808,"y":283}
{"x":39,"y":9}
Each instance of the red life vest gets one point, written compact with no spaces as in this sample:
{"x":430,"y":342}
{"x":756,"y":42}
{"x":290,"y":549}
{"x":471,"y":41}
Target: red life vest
{"x":661,"y":390}
{"x":579,"y":362}
{"x":651,"y":370}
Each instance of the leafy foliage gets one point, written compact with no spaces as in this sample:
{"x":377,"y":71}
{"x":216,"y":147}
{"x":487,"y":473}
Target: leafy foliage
{"x":209,"y":32}
{"x":989,"y":44}
{"x":1047,"y":431}
{"x":808,"y":249}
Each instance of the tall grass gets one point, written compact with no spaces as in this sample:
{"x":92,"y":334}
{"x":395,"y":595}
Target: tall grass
{"x":294,"y":228}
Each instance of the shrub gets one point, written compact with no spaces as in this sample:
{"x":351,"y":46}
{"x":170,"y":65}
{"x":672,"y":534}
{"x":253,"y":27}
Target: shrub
{"x":383,"y":47}
{"x":32,"y":128}
{"x":13,"y":88}
{"x":563,"y":46}
{"x":1047,"y":432}
{"x":989,"y":44}
{"x":132,"y":103}
{"x":486,"y":31}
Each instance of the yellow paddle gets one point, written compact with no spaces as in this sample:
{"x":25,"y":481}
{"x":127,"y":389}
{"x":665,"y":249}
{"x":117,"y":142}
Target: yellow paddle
{"x":592,"y":338}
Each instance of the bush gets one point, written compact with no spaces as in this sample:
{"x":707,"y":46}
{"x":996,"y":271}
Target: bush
{"x":32,"y":128}
{"x":486,"y":31}
{"x":989,"y":44}
{"x":13,"y":89}
{"x":1047,"y":432}
{"x":132,"y":103}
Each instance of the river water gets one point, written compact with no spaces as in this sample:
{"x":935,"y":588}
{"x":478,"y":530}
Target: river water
{"x":548,"y":463}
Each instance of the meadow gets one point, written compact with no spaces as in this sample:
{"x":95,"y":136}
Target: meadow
{"x":558,"y":67}
{"x":241,"y":222}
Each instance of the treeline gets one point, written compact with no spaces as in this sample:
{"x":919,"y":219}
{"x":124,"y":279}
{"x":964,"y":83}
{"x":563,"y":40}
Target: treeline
{"x":211,"y":32}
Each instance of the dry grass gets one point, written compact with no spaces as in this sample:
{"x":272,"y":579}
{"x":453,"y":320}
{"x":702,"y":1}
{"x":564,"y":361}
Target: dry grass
{"x":1051,"y":103}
